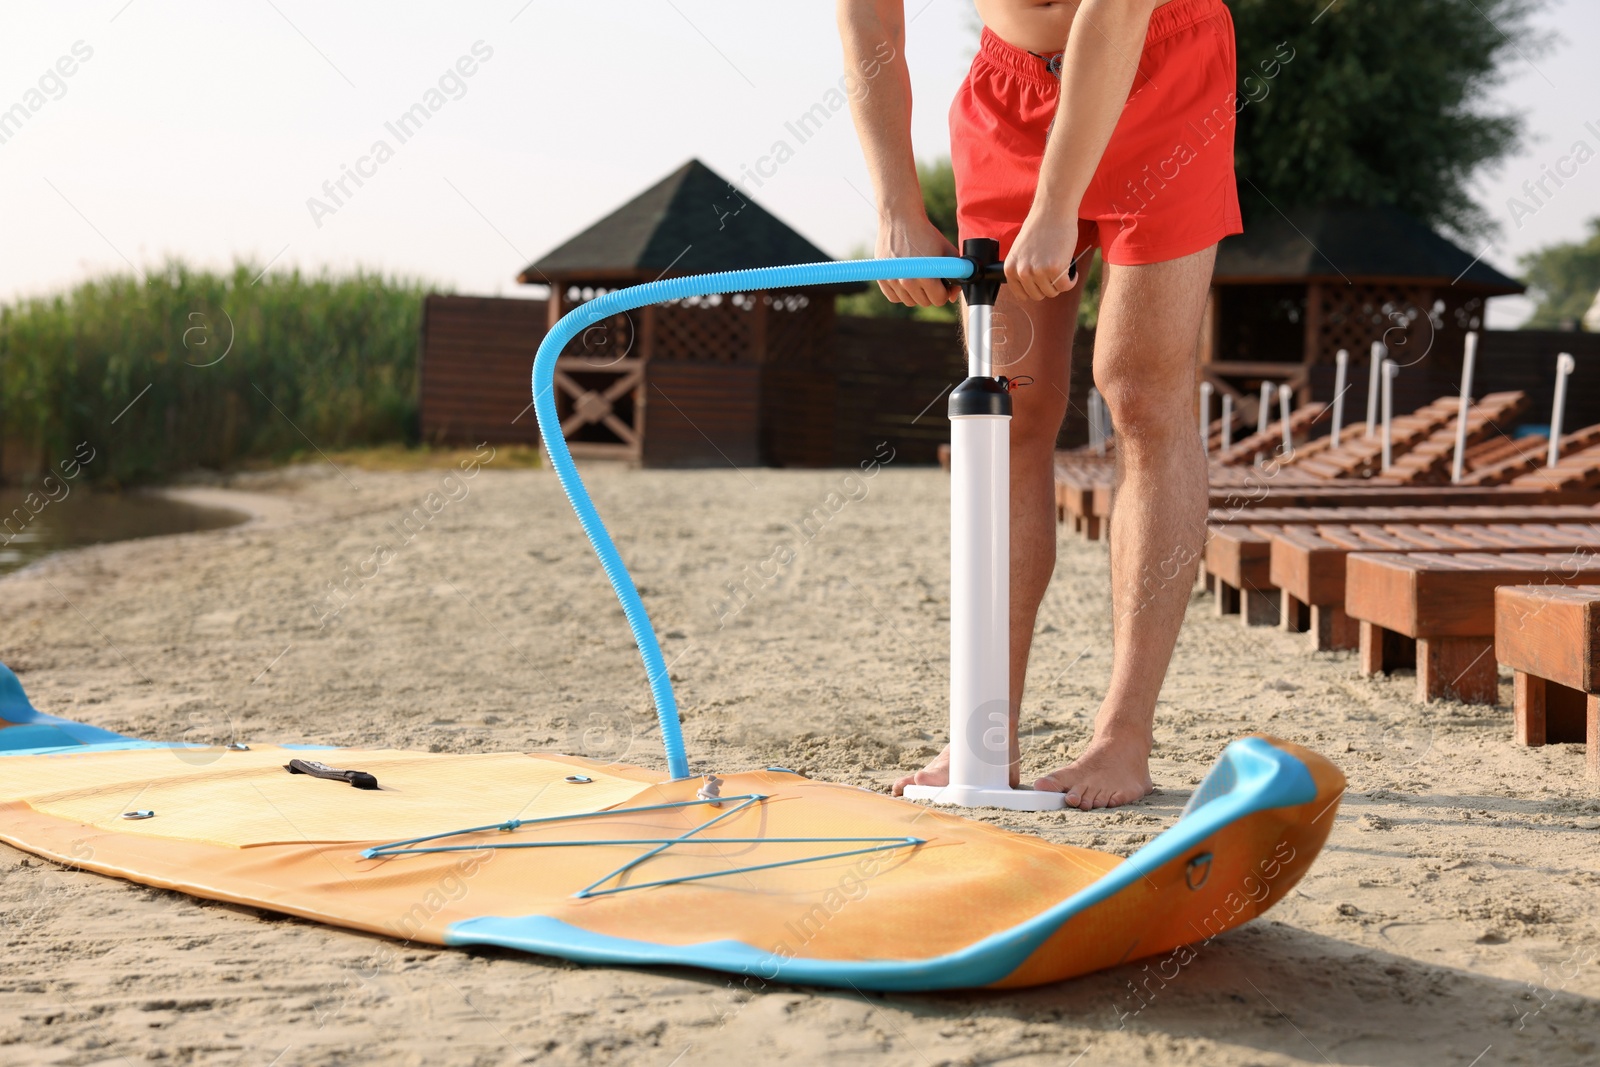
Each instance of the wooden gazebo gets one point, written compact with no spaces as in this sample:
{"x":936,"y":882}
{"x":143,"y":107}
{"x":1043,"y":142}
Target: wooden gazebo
{"x":1293,"y":289}
{"x":721,"y":379}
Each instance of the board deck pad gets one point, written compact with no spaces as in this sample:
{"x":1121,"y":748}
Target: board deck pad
{"x":244,"y":799}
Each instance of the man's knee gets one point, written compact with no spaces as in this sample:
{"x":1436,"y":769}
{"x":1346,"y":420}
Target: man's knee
{"x":1036,"y":420}
{"x":1143,"y":409}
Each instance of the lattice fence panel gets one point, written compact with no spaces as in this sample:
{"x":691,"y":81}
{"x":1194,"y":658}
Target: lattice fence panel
{"x":605,"y":342}
{"x":1354,"y":316}
{"x":712,"y":329}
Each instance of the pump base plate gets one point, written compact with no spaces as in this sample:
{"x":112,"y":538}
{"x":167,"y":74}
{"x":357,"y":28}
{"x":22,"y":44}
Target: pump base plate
{"x":971,"y":796}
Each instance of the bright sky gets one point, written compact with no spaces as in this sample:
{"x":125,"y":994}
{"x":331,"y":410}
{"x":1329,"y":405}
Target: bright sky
{"x":201,"y":130}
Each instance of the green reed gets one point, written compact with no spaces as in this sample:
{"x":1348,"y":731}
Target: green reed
{"x":180,"y":369}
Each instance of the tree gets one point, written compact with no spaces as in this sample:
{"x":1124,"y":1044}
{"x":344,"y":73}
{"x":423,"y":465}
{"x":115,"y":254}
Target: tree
{"x":1563,"y":278}
{"x":1361,"y":103}
{"x":938,"y":180}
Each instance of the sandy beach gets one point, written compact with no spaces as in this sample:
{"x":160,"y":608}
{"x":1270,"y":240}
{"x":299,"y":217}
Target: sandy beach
{"x":1453,"y":919}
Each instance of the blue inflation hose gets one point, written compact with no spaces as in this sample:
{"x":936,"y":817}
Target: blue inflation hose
{"x":555,"y":444}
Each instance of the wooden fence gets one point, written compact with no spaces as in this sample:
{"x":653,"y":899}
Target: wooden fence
{"x":875,"y":380}
{"x":476,"y":356}
{"x":868,"y":382}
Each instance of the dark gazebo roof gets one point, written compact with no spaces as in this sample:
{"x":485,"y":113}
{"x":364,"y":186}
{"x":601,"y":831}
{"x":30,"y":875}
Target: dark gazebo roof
{"x":1359,"y":244}
{"x":693,"y":221}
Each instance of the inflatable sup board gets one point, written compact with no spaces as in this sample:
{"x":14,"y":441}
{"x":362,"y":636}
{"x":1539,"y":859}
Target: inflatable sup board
{"x":779,"y":877}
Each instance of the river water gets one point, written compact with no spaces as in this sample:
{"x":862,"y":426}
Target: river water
{"x":31,"y":528}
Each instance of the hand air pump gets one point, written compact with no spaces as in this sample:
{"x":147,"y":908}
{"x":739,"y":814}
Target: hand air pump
{"x":980,"y":565}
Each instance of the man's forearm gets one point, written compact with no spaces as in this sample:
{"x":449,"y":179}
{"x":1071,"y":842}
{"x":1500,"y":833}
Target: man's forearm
{"x":1097,"y":73}
{"x":882,"y":115}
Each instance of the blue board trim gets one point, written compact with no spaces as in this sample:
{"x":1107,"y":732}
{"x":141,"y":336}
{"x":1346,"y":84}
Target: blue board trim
{"x":1259,"y":777}
{"x":128,"y":744}
{"x":33,"y":730}
{"x":78,"y":749}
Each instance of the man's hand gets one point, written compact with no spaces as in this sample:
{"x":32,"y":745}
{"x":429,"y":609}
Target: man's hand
{"x":915,"y":236}
{"x":1040,"y":262}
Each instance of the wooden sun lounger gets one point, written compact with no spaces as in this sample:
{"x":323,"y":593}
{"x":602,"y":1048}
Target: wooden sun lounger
{"x":1429,"y":462}
{"x":1237,"y":571}
{"x":1527,"y":454}
{"x":1422,"y":444}
{"x":1574,"y":470}
{"x":1308,"y":562}
{"x":1242,"y":505}
{"x":1076,"y":479}
{"x":1498,"y":448}
{"x":1359,"y":455}
{"x":1289,"y":516}
{"x":1549,"y":635}
{"x":1264,"y":500}
{"x":1248,"y":477}
{"x":1438,"y":611}
{"x":1300,"y":423}
{"x":1241,"y":424}
{"x":1239,"y":554}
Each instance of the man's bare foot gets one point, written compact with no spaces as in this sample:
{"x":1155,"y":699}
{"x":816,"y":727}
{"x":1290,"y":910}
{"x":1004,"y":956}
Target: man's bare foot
{"x":937,"y":773}
{"x":1109,"y":773}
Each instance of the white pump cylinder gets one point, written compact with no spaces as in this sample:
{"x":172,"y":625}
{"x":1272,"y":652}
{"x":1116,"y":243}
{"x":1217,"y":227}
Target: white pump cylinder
{"x":1205,"y":417}
{"x":980,"y":599}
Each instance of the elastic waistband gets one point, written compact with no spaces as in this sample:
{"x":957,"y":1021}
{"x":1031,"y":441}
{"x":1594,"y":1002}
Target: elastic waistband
{"x":1168,"y":19}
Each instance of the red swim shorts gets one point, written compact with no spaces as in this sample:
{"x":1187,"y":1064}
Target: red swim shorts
{"x":1164,"y":187}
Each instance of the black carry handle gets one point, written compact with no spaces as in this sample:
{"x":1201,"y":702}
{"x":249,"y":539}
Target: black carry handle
{"x":359,"y":779}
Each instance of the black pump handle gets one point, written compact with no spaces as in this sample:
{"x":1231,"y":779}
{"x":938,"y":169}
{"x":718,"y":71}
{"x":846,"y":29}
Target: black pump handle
{"x":989,"y":271}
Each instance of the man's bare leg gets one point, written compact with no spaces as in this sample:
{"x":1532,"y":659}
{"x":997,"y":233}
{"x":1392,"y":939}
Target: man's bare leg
{"x":1145,"y":348}
{"x":1031,"y":338}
